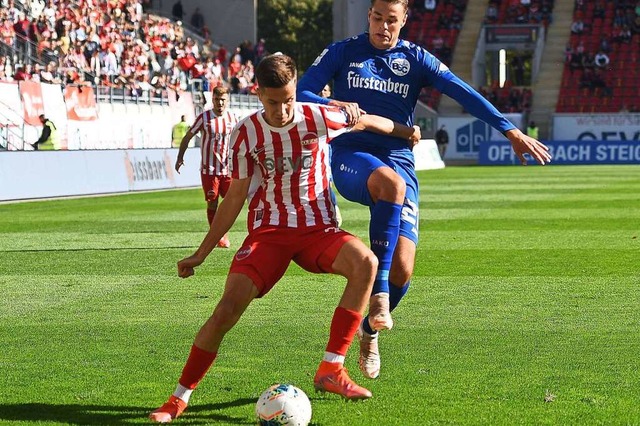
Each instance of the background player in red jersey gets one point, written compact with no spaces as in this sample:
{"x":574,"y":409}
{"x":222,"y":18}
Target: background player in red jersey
{"x":215,"y":126}
{"x":291,"y":217}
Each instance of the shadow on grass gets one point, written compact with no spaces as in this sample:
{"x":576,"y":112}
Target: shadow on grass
{"x":78,"y":414}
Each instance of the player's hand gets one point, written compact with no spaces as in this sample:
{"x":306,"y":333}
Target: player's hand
{"x":522,"y":144}
{"x":186,"y":266}
{"x":352,"y":109}
{"x":415,"y":137}
{"x":179,"y":163}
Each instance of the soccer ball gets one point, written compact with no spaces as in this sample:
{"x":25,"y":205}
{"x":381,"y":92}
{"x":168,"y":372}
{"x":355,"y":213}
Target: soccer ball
{"x":283,"y":405}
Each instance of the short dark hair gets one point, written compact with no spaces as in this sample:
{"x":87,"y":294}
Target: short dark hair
{"x":404,"y":3}
{"x":276,"y":71}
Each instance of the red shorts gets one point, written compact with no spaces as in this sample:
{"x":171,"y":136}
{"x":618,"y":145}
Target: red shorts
{"x":214,"y":186}
{"x":266,"y":253}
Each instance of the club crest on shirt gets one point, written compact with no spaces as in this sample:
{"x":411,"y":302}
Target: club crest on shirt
{"x":400,"y":67}
{"x":309,"y":141}
{"x":243,"y":253}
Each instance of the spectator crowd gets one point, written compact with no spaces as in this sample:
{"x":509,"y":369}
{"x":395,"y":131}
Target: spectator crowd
{"x":117,"y":43}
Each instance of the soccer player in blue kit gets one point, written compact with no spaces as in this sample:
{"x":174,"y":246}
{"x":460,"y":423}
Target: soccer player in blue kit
{"x":378,"y":73}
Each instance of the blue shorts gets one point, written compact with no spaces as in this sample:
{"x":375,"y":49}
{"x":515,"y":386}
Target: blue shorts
{"x":351,"y":170}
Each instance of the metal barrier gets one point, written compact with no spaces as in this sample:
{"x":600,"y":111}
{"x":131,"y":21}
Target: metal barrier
{"x":11,"y":139}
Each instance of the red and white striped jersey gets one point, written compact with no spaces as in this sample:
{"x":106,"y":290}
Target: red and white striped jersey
{"x":215,"y":136}
{"x":291,"y":164}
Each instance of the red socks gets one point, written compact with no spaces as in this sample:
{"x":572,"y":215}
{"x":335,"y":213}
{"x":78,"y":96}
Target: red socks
{"x":197,"y":365}
{"x":343,"y":327}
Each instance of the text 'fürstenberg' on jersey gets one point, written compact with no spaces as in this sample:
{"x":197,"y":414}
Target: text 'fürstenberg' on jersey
{"x":372,"y":83}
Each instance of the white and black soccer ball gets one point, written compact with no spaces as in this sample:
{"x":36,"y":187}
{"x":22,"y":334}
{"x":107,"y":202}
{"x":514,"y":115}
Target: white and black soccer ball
{"x":283,"y":404}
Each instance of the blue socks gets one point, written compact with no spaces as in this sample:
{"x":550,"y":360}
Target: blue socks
{"x":384,"y":229}
{"x":396,"y":294}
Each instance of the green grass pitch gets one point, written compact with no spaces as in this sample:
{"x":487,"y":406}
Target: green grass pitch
{"x":524,"y":309}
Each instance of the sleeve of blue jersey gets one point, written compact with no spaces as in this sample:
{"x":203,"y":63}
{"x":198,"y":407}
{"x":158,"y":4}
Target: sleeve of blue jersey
{"x":474,"y":103}
{"x":316,"y":76}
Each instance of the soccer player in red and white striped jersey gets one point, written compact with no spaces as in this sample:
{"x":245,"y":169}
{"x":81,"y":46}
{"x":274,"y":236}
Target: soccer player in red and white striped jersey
{"x":292,"y":163}
{"x":291,"y":217}
{"x":215,"y":126}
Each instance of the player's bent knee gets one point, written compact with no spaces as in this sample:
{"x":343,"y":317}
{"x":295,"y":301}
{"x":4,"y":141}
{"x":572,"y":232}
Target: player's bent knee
{"x":386,"y":184}
{"x":364,"y":267}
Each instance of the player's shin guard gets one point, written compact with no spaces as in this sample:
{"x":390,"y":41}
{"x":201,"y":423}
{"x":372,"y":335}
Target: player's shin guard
{"x":343,"y":328}
{"x":197,"y":365}
{"x":383,"y":234}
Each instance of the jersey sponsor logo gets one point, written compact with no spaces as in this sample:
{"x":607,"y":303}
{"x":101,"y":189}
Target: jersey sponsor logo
{"x":287,"y":164}
{"x":243,"y":253}
{"x":319,"y":58}
{"x":400,"y":67}
{"x":356,"y":65}
{"x":356,"y":81}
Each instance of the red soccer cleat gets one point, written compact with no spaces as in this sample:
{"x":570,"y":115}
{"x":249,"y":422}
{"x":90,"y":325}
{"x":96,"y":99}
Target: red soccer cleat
{"x":169,"y":410}
{"x":333,"y":377}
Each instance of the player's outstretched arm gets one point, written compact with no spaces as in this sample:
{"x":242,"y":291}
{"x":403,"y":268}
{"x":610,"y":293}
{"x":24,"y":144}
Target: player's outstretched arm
{"x":184,"y":143}
{"x":226,"y":215}
{"x":522,"y":143}
{"x":384,"y":126}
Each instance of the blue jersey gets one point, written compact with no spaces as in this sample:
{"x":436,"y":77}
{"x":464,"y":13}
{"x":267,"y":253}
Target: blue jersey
{"x":388,"y":83}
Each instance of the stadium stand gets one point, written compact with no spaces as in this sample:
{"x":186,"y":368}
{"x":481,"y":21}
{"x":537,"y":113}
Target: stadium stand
{"x":130,"y":53}
{"x":435,"y":26}
{"x":120,"y":46}
{"x":521,"y":12}
{"x":601,"y":62}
